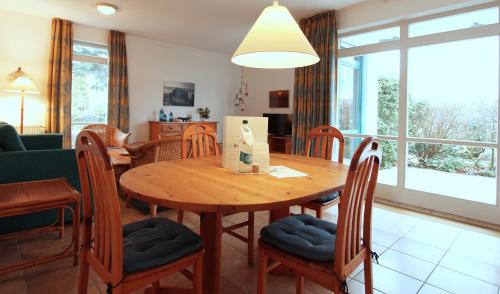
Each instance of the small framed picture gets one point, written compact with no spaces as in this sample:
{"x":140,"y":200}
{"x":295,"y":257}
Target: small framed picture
{"x":279,"y":99}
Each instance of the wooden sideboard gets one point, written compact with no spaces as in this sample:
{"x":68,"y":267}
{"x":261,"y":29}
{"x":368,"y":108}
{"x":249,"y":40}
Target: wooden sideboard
{"x":159,"y":130}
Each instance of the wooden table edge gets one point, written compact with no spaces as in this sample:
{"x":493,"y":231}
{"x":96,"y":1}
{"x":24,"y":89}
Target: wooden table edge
{"x":229,"y":208}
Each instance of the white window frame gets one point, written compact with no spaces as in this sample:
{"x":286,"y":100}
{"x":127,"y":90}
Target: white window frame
{"x":91,"y":59}
{"x":480,"y":211}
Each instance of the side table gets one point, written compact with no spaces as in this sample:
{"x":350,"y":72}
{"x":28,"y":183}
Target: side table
{"x":34,"y":196}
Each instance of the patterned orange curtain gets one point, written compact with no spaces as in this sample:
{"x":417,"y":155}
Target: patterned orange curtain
{"x":118,"y":100}
{"x":59,"y":79}
{"x":314,"y":84}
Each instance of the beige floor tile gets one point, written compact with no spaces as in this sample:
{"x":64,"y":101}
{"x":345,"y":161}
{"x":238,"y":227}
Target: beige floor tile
{"x":418,"y":249}
{"x":10,"y":252}
{"x":428,"y":289}
{"x":384,"y":238}
{"x":282,"y":285}
{"x":356,"y":287}
{"x":434,"y":234}
{"x":379,"y":249}
{"x":228,"y":287}
{"x":472,"y":267}
{"x":479,"y":246}
{"x":389,"y":281}
{"x":376,"y":248}
{"x":378,"y":212}
{"x":392,"y":225}
{"x":459,"y":283}
{"x":13,"y":283}
{"x":406,"y":264}
{"x":356,"y":271}
{"x":56,"y":277}
{"x":402,"y":218}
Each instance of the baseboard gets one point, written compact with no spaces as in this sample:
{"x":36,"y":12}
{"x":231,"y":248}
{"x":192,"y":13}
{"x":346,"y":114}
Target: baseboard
{"x":440,"y":214}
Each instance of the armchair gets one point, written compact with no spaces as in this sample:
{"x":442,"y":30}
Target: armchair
{"x":111,"y":136}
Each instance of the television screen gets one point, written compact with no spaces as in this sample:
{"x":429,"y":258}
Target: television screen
{"x":279,"y":124}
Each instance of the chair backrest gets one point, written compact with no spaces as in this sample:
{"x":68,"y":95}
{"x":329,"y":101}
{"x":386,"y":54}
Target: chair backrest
{"x":321,"y":140}
{"x":168,"y":148}
{"x":103,"y":240}
{"x":111,"y":136}
{"x":199,"y":141}
{"x":357,"y":201}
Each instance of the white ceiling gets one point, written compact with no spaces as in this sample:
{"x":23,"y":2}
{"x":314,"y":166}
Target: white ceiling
{"x":214,"y":25}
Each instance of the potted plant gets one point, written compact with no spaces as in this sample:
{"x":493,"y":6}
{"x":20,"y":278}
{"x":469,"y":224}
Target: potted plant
{"x":204,"y":113}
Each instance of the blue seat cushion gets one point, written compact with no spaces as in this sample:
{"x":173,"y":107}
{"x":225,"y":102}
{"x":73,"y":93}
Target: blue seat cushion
{"x":155,"y":242}
{"x":302,"y":235}
{"x":328,"y":198}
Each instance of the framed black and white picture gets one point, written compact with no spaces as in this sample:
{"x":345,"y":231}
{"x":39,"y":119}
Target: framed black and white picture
{"x":178,"y":93}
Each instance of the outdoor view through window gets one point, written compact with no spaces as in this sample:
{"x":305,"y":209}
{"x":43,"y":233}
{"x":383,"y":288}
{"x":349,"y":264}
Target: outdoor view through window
{"x":450,"y":141}
{"x":89,"y":96}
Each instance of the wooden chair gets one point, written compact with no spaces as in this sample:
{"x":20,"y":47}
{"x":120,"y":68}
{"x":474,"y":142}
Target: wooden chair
{"x":110,"y":249}
{"x":111,"y":136}
{"x":201,"y":141}
{"x":320,"y":143}
{"x":168,"y":148}
{"x":349,"y":245}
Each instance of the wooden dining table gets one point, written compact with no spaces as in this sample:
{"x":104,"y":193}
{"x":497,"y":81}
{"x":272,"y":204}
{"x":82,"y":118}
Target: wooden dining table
{"x":205,"y":187}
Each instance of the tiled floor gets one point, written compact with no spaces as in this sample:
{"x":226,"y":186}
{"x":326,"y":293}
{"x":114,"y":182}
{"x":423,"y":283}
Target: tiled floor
{"x":418,"y":254}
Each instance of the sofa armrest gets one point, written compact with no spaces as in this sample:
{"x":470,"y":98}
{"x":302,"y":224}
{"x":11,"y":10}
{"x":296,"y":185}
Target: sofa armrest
{"x":42,"y":141}
{"x":19,"y":166}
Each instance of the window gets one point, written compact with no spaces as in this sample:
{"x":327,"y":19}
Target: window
{"x":448,"y":89}
{"x":89,"y":96}
{"x":454,"y":22}
{"x":374,"y":37}
{"x":368,"y":104}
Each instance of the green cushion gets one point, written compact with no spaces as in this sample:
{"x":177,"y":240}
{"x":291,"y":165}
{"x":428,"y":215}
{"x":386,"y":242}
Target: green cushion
{"x":9,"y":139}
{"x":42,"y":141}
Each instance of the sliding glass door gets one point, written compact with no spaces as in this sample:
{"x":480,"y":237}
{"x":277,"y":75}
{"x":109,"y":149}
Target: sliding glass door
{"x":452,"y":119}
{"x":428,"y":88}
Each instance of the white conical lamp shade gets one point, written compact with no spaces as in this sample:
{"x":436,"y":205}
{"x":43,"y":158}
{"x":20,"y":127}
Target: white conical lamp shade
{"x":275,"y":41}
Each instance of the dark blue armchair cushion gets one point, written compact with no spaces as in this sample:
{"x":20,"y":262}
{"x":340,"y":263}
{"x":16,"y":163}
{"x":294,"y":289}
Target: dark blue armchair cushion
{"x":302,"y":235}
{"x":155,"y":242}
{"x":328,"y":198}
{"x":9,"y":139}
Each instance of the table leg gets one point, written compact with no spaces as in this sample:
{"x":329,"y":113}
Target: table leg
{"x":211,"y":233}
{"x":61,"y":222}
{"x":277,"y":214}
{"x":76,"y":233}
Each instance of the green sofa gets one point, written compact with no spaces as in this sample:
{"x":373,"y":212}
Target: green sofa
{"x":29,"y":158}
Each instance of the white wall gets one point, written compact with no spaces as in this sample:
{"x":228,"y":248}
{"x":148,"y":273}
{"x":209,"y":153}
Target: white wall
{"x":26,"y":42}
{"x":152,"y":62}
{"x":260,"y":82}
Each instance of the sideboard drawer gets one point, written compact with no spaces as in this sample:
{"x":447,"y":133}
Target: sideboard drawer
{"x":170,"y":134}
{"x":171,"y":128}
{"x":158,"y":130}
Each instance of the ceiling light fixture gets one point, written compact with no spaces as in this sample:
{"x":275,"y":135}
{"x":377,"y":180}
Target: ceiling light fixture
{"x":106,"y":9}
{"x":275,"y":41}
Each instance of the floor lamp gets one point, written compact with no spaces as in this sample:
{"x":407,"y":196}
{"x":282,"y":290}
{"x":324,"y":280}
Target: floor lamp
{"x":22,"y":83}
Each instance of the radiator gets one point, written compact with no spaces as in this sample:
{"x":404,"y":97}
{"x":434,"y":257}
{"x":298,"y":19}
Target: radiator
{"x":31,"y":130}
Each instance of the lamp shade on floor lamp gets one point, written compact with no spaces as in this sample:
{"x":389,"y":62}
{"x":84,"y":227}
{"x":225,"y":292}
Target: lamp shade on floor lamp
{"x":21,"y":83}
